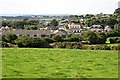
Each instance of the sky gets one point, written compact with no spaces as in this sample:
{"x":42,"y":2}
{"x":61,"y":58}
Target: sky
{"x":56,"y":7}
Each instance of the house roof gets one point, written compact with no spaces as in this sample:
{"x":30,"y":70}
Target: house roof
{"x":108,"y":28}
{"x":34,"y":32}
{"x":96,"y":26}
{"x":60,"y":32}
{"x":27,"y":32}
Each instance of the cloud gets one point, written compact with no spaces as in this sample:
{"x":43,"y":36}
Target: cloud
{"x":57,"y":6}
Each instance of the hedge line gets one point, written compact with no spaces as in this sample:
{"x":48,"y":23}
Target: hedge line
{"x":78,"y":45}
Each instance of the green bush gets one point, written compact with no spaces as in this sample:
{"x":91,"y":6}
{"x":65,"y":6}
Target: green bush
{"x":69,"y":45}
{"x":49,"y":40}
{"x":96,"y":47}
{"x":32,"y":42}
{"x":57,"y":38}
{"x":114,"y":39}
{"x":115,"y":47}
{"x":9,"y":38}
{"x":101,"y":38}
{"x":90,"y":36}
{"x":4,"y":44}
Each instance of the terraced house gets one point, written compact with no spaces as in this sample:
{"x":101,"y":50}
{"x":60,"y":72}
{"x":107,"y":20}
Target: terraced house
{"x":33,"y":33}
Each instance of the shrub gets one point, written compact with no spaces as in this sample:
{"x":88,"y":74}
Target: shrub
{"x":37,"y":43}
{"x":9,"y":38}
{"x":69,"y":45}
{"x":4,"y":44}
{"x":90,"y":36}
{"x":96,"y":47}
{"x":33,"y":42}
{"x":115,"y":47}
{"x":75,"y":38}
{"x":114,"y":39}
{"x":22,"y":41}
{"x":112,"y":34}
{"x":101,"y":38}
{"x":49,"y":40}
{"x":57,"y":38}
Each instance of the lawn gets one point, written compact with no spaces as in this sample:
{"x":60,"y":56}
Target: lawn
{"x":59,"y":63}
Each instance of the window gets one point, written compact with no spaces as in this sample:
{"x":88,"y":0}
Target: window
{"x":35,"y":35}
{"x":76,"y":31}
{"x":20,"y":35}
{"x":73,"y":30}
{"x":96,"y":27}
{"x":28,"y":35}
{"x":43,"y":35}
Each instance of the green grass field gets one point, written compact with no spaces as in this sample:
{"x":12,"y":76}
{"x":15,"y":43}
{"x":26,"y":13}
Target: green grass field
{"x":59,"y":63}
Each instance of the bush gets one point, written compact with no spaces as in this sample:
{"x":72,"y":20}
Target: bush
{"x":4,"y":44}
{"x":114,"y":39}
{"x":9,"y":38}
{"x":112,"y":34}
{"x":38,"y":43}
{"x":115,"y":47}
{"x":101,"y":38}
{"x":32,"y":42}
{"x":75,"y":38}
{"x":69,"y":45}
{"x":57,"y":38}
{"x":90,"y":36}
{"x":22,"y":41}
{"x":96,"y":47}
{"x":49,"y":40}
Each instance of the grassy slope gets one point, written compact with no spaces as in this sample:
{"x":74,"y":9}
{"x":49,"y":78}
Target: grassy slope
{"x":59,"y":63}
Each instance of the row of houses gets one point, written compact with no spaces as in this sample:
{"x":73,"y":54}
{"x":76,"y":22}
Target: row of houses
{"x":33,"y":33}
{"x":77,"y":28}
{"x":48,"y":32}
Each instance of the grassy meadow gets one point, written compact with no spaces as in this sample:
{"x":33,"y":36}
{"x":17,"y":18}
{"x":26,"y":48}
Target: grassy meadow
{"x":59,"y":63}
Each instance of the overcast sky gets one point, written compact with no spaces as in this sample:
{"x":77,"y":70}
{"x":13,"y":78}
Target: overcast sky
{"x":57,"y":6}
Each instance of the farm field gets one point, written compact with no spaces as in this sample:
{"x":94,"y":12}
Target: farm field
{"x":59,"y":63}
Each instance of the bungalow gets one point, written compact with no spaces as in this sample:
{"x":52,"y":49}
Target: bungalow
{"x":63,"y":23}
{"x":107,"y":29}
{"x":96,"y":28}
{"x":60,"y":32}
{"x":99,"y":28}
{"x":34,"y":33}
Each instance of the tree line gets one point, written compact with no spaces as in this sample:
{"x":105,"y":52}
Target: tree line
{"x":87,"y":37}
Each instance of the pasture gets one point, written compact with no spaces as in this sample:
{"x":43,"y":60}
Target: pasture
{"x":59,"y":63}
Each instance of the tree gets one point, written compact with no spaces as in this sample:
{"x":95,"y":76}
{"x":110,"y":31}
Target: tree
{"x":117,"y":12}
{"x":90,"y":36}
{"x":9,"y":38}
{"x":49,"y":40}
{"x":3,"y":38}
{"x":25,"y":21}
{"x":32,"y":22}
{"x":101,"y":38}
{"x":57,"y":38}
{"x":31,"y":27}
{"x":4,"y":23}
{"x":37,"y":43}
{"x":54,"y":23}
{"x":117,"y":27}
{"x":75,"y":38}
{"x":113,"y":34}
{"x":111,"y":21}
{"x":94,"y":22}
{"x":22,"y":41}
